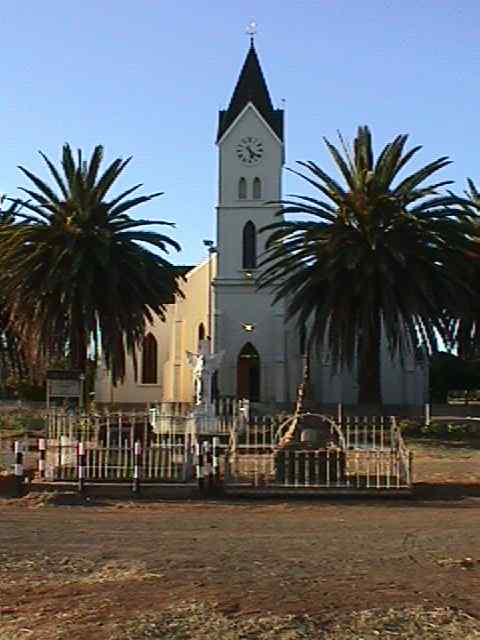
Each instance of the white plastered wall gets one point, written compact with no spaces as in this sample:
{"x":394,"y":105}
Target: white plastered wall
{"x":238,"y":303}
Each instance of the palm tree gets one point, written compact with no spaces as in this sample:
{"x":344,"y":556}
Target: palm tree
{"x":466,"y":324}
{"x":12,"y":355}
{"x":378,"y":257}
{"x":79,"y":270}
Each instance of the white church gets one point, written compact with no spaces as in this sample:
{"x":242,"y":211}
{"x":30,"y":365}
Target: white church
{"x":263,"y":353}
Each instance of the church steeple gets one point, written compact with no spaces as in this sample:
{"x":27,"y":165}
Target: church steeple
{"x":251,"y":87}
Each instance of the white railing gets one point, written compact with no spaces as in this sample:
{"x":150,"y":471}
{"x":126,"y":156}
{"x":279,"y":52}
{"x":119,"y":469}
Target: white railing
{"x":166,"y":459}
{"x":368,"y":453}
{"x":7,"y":455}
{"x":368,"y":432}
{"x":360,"y":453}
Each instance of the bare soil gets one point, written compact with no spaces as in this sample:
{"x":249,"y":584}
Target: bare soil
{"x":227,"y":570}
{"x":449,"y":461}
{"x":88,"y":572}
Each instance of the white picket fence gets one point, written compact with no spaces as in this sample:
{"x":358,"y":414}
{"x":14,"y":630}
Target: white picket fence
{"x":166,"y":459}
{"x":359,"y":453}
{"x":368,"y":453}
{"x":7,"y":455}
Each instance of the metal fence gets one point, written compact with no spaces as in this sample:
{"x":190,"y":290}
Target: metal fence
{"x":7,"y":453}
{"x":164,"y":460}
{"x":370,"y":454}
{"x":362,"y":453}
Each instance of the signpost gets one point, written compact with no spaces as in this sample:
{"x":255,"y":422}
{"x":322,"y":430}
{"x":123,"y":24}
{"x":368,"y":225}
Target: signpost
{"x":65,"y":384}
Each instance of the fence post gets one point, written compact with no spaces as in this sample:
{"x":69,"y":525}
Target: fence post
{"x":199,"y":466}
{"x":42,"y":457}
{"x":208,"y":462}
{"x":81,"y":466}
{"x":137,"y":465}
{"x":216,"y":462}
{"x":427,"y":415}
{"x":64,"y":443}
{"x":339,"y":414}
{"x":19,"y":477}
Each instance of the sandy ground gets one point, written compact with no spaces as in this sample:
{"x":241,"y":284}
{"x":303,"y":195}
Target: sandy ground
{"x":436,"y":462}
{"x":87,"y":571}
{"x":232,"y":570}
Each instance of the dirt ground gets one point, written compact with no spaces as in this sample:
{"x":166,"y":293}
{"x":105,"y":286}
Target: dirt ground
{"x":231,"y":570}
{"x":87,"y":572}
{"x":443,"y":461}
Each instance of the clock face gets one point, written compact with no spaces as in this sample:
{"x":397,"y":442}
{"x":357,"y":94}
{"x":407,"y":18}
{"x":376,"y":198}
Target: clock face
{"x":250,"y":150}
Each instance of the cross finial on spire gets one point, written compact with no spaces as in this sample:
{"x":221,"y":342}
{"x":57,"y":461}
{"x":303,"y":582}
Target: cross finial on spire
{"x":252,"y":30}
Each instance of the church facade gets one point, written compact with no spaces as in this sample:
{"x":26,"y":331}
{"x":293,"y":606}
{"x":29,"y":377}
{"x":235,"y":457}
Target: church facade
{"x":263,"y":352}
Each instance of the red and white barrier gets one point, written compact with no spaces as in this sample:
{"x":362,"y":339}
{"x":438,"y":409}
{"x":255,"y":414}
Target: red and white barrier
{"x":18,"y":467}
{"x":81,"y":471}
{"x":137,"y":467}
{"x":42,"y":458}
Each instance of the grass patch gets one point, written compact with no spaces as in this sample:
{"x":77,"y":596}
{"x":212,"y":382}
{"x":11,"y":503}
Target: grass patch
{"x":440,"y":430}
{"x":16,"y":423}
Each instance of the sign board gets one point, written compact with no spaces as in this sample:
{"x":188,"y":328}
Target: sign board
{"x":64,"y":374}
{"x":64,"y":384}
{"x":64,"y":388}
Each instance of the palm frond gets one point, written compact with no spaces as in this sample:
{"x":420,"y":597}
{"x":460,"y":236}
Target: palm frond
{"x":372,"y":259}
{"x":77,"y":266}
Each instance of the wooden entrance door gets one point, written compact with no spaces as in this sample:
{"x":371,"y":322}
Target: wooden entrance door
{"x":248,"y":373}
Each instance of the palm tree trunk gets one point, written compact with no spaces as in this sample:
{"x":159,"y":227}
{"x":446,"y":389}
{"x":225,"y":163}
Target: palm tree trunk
{"x":369,"y":369}
{"x":78,"y":349}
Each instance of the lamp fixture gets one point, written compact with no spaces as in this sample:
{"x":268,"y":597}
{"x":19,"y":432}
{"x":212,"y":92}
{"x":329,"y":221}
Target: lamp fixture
{"x":247,"y":326}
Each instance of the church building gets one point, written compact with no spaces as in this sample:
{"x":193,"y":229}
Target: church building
{"x":263,"y":353}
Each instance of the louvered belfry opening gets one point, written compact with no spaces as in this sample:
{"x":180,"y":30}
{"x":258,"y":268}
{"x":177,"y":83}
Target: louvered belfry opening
{"x":242,"y":189}
{"x":257,"y":189}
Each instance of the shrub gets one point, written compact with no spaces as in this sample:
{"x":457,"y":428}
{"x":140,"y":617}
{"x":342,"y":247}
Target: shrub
{"x":450,"y":431}
{"x":411,"y":428}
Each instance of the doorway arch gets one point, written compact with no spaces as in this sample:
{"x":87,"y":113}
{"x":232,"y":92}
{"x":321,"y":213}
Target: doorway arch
{"x":248,"y":373}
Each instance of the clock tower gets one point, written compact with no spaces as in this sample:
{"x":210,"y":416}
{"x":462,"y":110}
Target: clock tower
{"x":248,"y":327}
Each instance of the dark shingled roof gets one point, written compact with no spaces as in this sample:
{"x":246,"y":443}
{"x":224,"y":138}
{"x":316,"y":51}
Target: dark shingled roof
{"x":251,"y":87}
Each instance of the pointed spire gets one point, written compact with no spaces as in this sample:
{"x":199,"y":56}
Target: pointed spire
{"x":252,"y":31}
{"x":251,"y":87}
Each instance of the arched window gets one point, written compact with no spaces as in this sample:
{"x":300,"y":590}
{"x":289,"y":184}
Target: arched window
{"x":149,"y":360}
{"x":249,"y":246}
{"x":242,"y":189}
{"x":257,"y":189}
{"x":201,"y":332}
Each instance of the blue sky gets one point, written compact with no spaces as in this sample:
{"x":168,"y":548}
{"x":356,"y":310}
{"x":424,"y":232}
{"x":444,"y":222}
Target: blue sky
{"x":147,"y":78}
